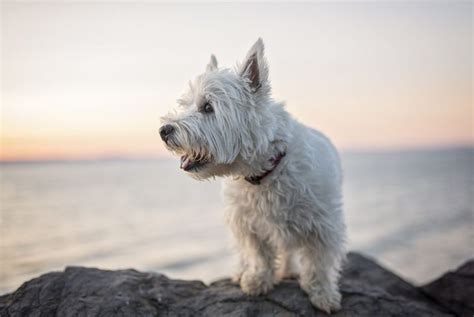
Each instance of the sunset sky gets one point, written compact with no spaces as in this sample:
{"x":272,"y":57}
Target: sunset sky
{"x":88,"y":80}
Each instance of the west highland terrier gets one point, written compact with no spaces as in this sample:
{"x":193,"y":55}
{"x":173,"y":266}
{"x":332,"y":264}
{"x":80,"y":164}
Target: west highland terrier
{"x":283,"y":187}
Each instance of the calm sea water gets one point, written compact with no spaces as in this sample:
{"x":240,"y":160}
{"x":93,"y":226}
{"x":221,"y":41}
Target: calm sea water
{"x":412,"y":210}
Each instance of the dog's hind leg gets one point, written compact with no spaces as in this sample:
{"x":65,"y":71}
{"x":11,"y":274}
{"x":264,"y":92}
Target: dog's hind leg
{"x":287,"y":266}
{"x":319,"y":276}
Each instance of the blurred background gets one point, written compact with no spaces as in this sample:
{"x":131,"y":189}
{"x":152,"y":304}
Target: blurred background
{"x":85,"y":179}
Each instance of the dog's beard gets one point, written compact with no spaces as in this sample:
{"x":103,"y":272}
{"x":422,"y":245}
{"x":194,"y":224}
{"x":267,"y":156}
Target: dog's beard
{"x":193,"y":160}
{"x":193,"y":163}
{"x":200,"y":164}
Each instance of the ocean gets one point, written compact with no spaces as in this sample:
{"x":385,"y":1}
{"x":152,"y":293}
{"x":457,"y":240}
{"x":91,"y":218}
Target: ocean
{"x":411,"y":210}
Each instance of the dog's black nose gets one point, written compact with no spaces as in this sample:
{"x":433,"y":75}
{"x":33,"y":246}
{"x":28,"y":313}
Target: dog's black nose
{"x":165,"y":131}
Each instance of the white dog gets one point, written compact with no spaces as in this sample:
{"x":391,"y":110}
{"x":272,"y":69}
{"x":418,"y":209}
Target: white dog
{"x":283,"y":187}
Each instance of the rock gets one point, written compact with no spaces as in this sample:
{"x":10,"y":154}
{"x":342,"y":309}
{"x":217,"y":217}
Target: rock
{"x":455,"y":290}
{"x":367,"y":288}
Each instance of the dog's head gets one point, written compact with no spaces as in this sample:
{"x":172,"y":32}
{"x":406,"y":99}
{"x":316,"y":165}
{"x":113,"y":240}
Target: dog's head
{"x":222,"y":120}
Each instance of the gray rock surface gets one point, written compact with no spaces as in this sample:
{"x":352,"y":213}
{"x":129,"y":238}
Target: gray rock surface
{"x":455,"y":290}
{"x":367,"y":288}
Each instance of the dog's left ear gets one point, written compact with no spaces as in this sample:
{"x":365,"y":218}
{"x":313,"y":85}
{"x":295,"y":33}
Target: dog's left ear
{"x":212,"y":66}
{"x":254,"y":68}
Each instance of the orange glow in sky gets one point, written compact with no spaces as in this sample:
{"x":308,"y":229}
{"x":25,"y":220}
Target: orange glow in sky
{"x":88,"y":80}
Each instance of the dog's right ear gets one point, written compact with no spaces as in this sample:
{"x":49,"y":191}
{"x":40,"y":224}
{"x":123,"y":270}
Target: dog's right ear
{"x":212,"y":66}
{"x":255,"y":69}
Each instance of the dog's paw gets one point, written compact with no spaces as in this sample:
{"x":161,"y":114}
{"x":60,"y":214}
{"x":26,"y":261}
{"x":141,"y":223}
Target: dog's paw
{"x":325,"y":299}
{"x":253,"y":283}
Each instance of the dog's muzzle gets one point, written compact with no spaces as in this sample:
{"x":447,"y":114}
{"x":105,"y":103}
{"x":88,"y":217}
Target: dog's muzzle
{"x":166,"y":131}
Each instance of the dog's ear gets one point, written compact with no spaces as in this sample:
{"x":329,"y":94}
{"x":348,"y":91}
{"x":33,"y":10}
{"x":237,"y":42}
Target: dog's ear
{"x":212,"y":66}
{"x":254,"y":68}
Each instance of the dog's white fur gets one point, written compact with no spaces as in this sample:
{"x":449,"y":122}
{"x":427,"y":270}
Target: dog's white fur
{"x":296,"y":212}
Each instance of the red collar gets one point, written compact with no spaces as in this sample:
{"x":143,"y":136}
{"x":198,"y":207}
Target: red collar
{"x":255,"y":180}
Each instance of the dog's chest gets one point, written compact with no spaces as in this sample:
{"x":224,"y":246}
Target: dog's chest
{"x":259,"y":205}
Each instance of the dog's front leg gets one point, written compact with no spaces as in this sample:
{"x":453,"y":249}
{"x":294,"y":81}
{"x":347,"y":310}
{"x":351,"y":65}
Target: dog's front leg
{"x":258,"y":274}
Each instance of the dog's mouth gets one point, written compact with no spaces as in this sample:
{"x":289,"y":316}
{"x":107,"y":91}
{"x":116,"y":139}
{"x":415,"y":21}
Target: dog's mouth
{"x":192,"y":164}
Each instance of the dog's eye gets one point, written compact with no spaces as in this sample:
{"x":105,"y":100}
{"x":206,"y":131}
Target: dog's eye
{"x":207,"y":108}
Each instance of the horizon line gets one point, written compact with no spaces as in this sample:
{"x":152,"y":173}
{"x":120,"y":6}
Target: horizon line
{"x":150,"y":157}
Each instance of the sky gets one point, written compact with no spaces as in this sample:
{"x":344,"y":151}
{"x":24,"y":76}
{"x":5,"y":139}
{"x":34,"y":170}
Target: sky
{"x":90,"y":80}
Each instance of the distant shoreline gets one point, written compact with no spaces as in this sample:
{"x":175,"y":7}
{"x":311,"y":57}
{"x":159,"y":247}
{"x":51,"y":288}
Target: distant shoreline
{"x":125,"y":158}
